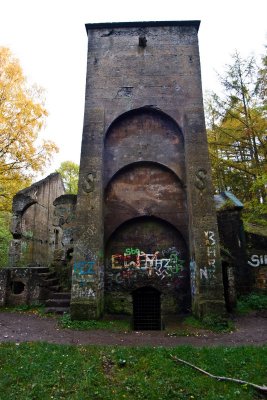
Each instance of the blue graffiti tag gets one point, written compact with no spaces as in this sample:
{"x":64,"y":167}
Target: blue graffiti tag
{"x":84,"y":267}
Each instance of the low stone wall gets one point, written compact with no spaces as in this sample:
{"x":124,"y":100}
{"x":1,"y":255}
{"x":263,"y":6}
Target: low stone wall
{"x":22,"y":285}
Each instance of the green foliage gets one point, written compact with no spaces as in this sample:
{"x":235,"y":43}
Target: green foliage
{"x":38,"y":309}
{"x":213,"y":323}
{"x":237,"y":127}
{"x":70,"y":175}
{"x":22,"y":116}
{"x":217,"y":323}
{"x":251,"y":302}
{"x":43,"y":371}
{"x":5,"y":237}
{"x":113,"y":325}
{"x":256,"y":211}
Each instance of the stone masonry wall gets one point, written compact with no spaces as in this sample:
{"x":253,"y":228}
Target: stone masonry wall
{"x":32,"y":223}
{"x":135,"y":67}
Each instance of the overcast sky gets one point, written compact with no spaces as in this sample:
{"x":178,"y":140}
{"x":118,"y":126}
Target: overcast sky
{"x":49,"y":39}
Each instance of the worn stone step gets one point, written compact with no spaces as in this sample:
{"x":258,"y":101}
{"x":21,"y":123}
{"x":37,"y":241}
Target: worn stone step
{"x":47,"y":275}
{"x":51,"y":282}
{"x":61,"y":295}
{"x":41,"y":270}
{"x":54,"y":288}
{"x":57,"y":302}
{"x":57,"y":310}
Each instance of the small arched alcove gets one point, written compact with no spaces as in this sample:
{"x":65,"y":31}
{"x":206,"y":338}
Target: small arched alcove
{"x":146,"y":309}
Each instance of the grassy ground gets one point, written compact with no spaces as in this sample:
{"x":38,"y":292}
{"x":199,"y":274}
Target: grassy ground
{"x":40,"y":371}
{"x":114,"y":325}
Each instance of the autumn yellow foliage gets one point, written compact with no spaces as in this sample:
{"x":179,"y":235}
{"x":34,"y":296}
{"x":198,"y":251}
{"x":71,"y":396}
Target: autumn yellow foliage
{"x":22,"y":116}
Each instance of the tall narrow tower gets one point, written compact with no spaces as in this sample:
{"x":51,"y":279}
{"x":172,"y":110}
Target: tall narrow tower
{"x":147,"y":231}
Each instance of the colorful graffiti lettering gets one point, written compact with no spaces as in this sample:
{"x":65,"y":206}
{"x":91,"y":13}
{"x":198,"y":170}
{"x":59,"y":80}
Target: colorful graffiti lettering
{"x":83,"y":272}
{"x":131,"y":251}
{"x":151,"y":263}
{"x":84,"y":267}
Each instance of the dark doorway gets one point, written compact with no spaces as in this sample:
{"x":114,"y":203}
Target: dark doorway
{"x":146,"y":309}
{"x":17,"y":287}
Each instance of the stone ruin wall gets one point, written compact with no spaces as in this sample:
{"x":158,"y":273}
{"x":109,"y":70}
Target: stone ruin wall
{"x":32,"y":223}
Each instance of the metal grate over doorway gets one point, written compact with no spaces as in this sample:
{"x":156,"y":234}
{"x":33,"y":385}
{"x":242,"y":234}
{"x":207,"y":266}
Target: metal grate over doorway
{"x":146,"y":309}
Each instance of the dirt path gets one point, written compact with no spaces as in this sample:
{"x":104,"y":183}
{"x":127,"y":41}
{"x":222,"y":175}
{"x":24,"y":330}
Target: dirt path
{"x":19,"y":327}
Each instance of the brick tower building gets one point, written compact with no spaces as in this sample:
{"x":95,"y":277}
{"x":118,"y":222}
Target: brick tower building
{"x":147,"y":243}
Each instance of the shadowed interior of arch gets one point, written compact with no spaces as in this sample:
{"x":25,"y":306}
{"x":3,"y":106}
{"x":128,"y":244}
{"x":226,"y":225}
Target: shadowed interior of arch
{"x":143,"y":135}
{"x":146,"y":309}
{"x":145,"y":189}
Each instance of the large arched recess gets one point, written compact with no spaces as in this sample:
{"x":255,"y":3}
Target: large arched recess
{"x":145,"y":189}
{"x":163,"y":263}
{"x":144,"y":134}
{"x":148,"y":233}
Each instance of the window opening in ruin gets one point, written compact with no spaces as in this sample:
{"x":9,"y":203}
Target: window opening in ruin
{"x":146,"y":309}
{"x":69,"y":254}
{"x":56,"y":237}
{"x":17,"y":287}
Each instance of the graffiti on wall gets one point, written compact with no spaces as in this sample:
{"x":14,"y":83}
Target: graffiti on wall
{"x":207,"y":272}
{"x":83,"y":272}
{"x":160,"y":263}
{"x":84,"y":267}
{"x":257,"y":260}
{"x":88,"y":278}
{"x":83,"y":290}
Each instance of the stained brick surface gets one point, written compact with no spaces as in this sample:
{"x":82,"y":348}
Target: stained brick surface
{"x":144,"y":155}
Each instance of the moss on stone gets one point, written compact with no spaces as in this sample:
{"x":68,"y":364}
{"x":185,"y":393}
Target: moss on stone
{"x":84,"y":310}
{"x":118,"y":303}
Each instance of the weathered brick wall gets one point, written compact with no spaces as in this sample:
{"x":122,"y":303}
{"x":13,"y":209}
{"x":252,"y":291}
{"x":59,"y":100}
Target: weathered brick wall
{"x":64,"y":223}
{"x":144,"y":104}
{"x":32,"y":224}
